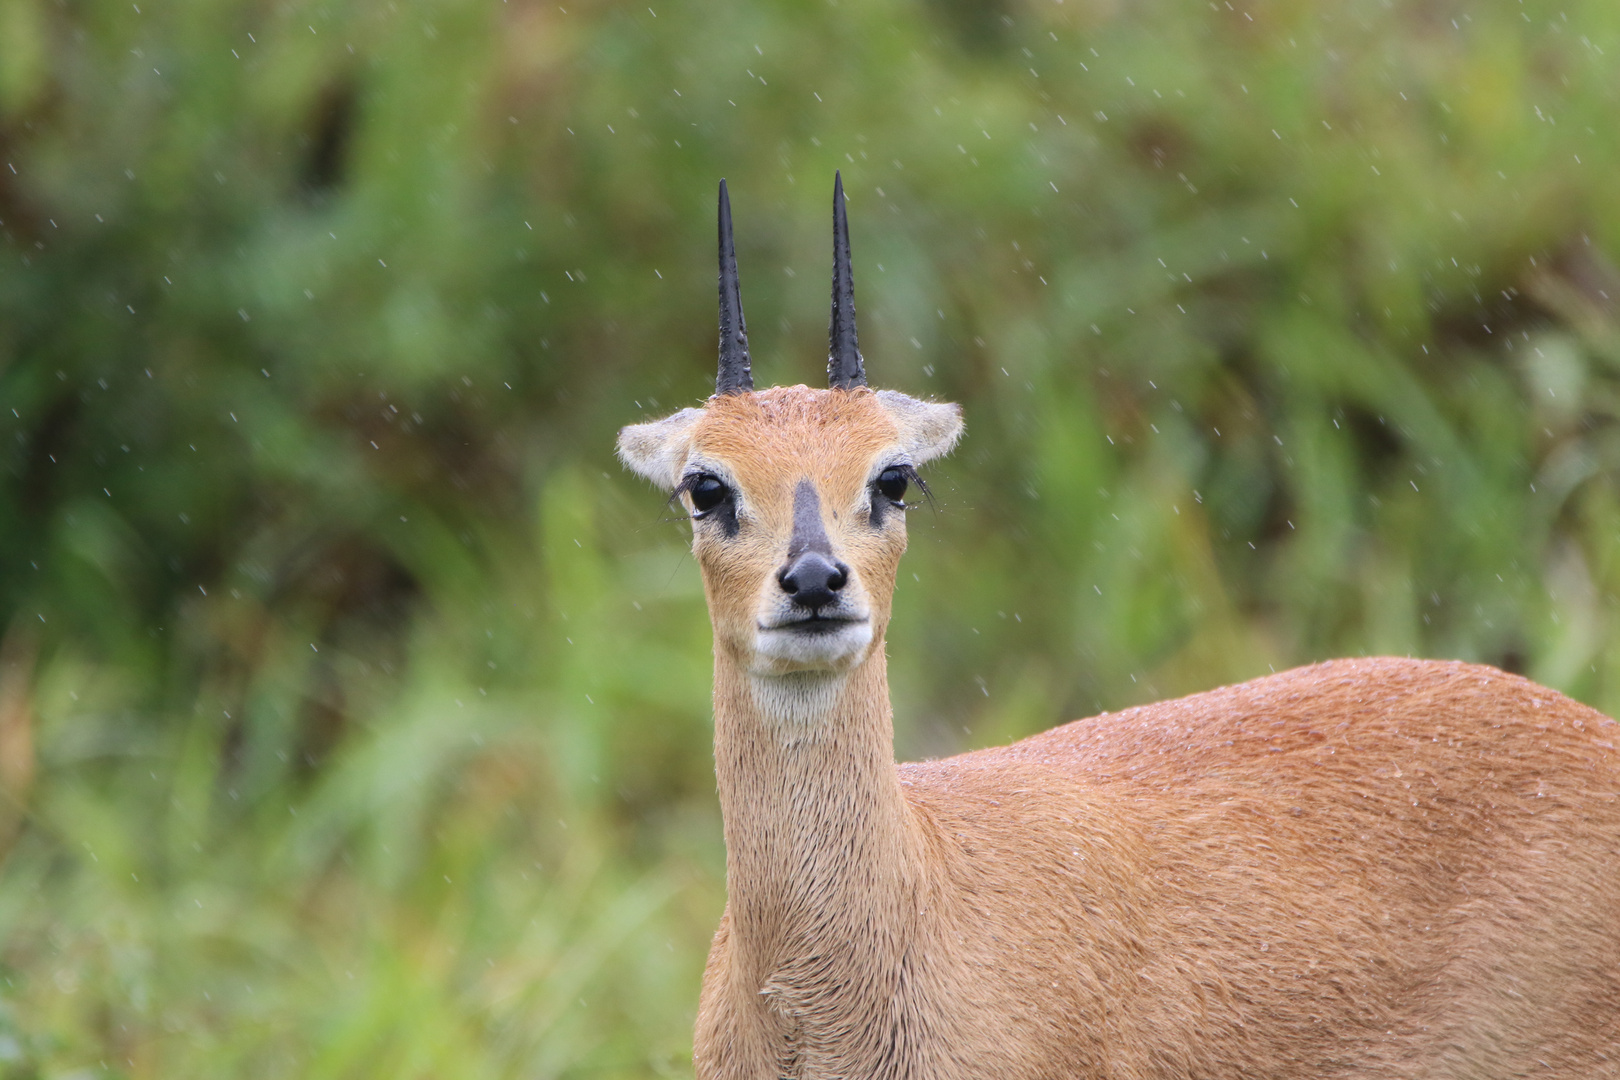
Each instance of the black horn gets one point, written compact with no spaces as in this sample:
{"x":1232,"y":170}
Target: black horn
{"x":845,"y":371}
{"x":736,"y":375}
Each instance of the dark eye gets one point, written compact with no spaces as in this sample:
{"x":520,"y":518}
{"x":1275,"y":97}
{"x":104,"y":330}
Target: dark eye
{"x":707,"y":493}
{"x":891,"y":482}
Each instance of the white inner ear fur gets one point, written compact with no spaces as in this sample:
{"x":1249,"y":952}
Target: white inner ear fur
{"x":928,"y":429}
{"x":657,"y":449}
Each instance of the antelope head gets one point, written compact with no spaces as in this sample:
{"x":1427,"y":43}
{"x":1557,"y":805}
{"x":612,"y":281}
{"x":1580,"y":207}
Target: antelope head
{"x":797,"y":496}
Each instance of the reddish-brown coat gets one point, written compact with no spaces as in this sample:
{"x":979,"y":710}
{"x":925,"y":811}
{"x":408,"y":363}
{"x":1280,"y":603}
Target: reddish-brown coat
{"x":1378,"y":867}
{"x":1370,"y":868}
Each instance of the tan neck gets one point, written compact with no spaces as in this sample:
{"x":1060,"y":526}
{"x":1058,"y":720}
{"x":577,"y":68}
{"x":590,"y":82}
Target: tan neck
{"x":820,"y":849}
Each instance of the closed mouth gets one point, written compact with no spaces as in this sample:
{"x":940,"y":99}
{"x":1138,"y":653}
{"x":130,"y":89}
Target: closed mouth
{"x":816,"y":624}
{"x":812,"y":642}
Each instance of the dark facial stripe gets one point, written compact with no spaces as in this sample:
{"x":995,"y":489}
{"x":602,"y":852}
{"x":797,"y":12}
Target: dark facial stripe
{"x":808,"y":532}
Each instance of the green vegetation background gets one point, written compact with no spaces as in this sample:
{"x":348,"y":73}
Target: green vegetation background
{"x":353,"y":703}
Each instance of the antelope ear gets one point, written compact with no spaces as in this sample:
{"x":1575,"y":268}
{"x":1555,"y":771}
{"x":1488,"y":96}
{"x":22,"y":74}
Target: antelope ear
{"x":928,"y":429}
{"x":656,"y":450}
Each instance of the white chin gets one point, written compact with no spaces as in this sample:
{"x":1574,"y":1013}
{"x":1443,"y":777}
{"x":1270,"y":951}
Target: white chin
{"x":838,"y":648}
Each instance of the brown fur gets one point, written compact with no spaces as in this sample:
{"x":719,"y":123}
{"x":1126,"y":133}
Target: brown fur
{"x":1377,"y":867}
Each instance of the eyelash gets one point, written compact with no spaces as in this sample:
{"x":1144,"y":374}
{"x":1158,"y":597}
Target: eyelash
{"x":689,"y":485}
{"x":688,"y":482}
{"x":915,"y":477}
{"x":910,"y":473}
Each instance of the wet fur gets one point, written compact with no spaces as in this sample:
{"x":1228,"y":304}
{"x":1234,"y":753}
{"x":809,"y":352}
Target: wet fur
{"x":1370,"y":868}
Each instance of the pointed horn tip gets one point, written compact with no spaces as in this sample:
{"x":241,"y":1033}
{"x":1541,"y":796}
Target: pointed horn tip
{"x":735,"y":374}
{"x":846,"y":368}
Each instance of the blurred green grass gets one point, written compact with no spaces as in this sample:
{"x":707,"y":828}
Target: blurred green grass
{"x":354,"y":705}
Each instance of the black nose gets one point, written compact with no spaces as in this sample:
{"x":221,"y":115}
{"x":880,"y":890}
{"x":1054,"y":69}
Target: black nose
{"x":813,"y":580}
